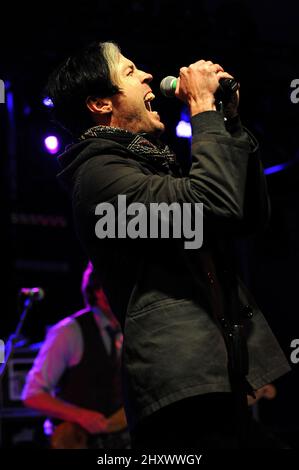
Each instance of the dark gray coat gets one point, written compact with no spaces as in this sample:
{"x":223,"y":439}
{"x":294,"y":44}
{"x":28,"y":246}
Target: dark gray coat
{"x":166,"y":297}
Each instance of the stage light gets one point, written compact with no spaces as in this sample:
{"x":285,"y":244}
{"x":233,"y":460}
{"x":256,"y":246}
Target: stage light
{"x":183,"y":129}
{"x":52,"y":144}
{"x":48,"y":102}
{"x":276,"y":168}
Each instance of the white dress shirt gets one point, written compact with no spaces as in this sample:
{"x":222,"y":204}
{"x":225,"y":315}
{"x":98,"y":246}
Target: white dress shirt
{"x":62,"y":349}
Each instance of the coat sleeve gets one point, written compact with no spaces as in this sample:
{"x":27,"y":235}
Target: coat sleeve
{"x":257,"y":207}
{"x":217,"y":178}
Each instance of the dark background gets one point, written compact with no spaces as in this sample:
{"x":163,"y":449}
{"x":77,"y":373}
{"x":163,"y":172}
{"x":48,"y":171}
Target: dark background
{"x":255,"y":41}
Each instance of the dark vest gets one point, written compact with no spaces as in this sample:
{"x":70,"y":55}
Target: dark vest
{"x":94,"y":383}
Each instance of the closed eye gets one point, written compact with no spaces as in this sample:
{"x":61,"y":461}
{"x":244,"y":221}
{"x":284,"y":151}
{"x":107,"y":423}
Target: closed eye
{"x":130,"y":70}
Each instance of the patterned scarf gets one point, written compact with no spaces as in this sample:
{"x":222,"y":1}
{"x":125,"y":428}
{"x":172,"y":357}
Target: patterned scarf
{"x":143,"y":146}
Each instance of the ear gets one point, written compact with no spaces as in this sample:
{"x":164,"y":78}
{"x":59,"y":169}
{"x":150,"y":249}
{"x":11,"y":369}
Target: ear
{"x":99,"y":105}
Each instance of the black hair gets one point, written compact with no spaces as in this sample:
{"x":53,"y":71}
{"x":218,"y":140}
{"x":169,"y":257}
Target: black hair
{"x":83,"y":74}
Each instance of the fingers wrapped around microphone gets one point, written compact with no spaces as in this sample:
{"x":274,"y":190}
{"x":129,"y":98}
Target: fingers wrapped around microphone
{"x":197,"y":85}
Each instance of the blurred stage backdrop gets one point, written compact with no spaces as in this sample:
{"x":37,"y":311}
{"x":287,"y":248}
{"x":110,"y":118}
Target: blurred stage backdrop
{"x":255,"y":41}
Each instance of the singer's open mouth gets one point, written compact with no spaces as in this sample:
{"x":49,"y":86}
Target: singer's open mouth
{"x":147,"y":100}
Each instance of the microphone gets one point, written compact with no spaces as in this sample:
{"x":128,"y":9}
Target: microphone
{"x":34,"y":293}
{"x":227,"y":86}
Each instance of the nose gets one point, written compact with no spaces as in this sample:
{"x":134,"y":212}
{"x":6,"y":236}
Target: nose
{"x":146,"y":77}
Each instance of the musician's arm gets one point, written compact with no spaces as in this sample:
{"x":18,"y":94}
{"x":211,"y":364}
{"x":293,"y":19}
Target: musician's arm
{"x":59,"y":352}
{"x":91,"y":421}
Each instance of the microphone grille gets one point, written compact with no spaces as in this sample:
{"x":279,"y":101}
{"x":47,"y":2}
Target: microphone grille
{"x":168,"y":86}
{"x":36,"y":293}
{"x":39,"y":293}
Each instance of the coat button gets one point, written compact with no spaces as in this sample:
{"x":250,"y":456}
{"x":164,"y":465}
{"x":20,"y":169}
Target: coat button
{"x":248,"y":311}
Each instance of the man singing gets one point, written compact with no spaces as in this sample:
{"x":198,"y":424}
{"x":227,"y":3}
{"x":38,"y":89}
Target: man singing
{"x":195,"y":343}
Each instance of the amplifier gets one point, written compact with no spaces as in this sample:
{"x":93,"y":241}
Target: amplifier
{"x":15,"y":376}
{"x":21,"y":427}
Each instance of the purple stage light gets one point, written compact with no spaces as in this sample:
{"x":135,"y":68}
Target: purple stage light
{"x":183,"y":129}
{"x":52,"y":144}
{"x":9,"y":99}
{"x":48,"y":102}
